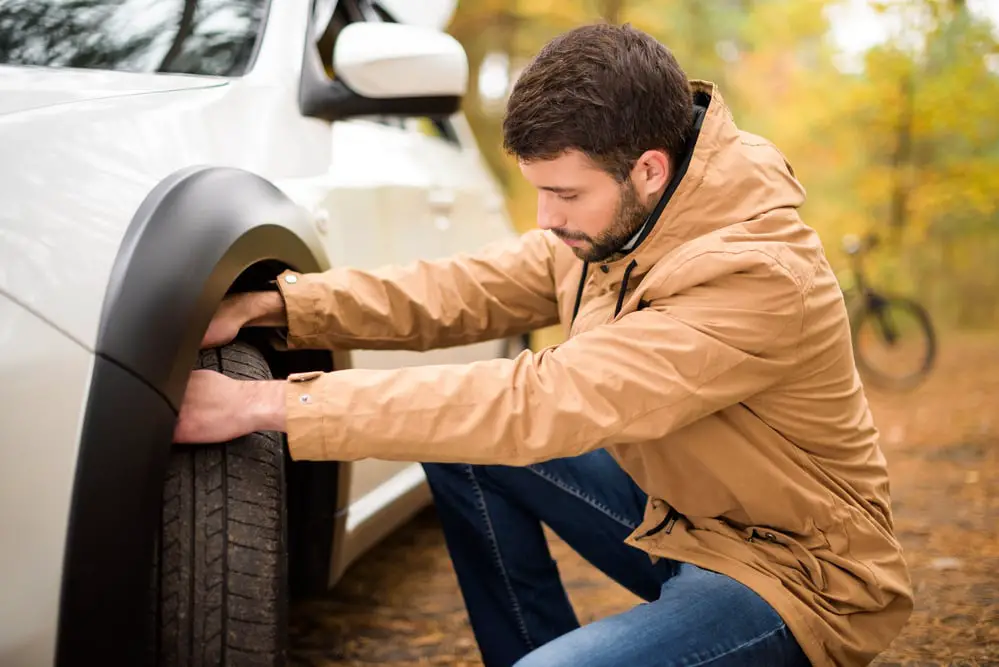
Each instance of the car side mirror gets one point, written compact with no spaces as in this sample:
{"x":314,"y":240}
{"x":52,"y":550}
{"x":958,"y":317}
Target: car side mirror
{"x":389,"y":69}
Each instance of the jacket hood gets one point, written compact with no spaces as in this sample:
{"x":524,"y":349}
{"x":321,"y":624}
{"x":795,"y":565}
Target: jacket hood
{"x":720,"y":183}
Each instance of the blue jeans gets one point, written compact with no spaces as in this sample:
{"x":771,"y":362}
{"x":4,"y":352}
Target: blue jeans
{"x":516,"y":602}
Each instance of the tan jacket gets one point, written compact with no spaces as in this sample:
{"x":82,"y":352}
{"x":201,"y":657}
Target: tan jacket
{"x":720,"y":376}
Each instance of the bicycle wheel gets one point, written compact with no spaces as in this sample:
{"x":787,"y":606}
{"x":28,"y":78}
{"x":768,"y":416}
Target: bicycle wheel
{"x":894,"y":341}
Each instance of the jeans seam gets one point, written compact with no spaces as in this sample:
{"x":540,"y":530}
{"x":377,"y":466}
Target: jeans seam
{"x":498,"y":557}
{"x":592,"y":502}
{"x":754,"y":640}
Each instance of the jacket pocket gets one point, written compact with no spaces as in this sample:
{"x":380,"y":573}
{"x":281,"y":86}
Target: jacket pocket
{"x":793,"y":552}
{"x":866,"y":565}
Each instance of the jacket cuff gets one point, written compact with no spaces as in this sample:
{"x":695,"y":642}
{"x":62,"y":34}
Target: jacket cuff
{"x":307,"y":437}
{"x":304,"y":301}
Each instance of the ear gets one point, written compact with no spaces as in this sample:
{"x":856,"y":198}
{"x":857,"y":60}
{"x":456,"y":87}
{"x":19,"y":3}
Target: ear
{"x":651,"y":173}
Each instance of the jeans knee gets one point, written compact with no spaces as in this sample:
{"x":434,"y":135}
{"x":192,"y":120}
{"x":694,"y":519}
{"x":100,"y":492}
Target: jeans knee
{"x":530,"y":660}
{"x":550,"y":656}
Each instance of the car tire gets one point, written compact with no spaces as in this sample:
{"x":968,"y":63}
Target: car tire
{"x":219,"y":581}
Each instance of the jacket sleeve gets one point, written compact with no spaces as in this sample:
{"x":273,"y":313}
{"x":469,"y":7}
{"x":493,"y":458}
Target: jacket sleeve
{"x":506,"y":289}
{"x":638,"y":379}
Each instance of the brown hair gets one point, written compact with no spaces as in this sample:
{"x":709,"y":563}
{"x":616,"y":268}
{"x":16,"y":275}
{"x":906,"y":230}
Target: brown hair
{"x":612,"y":92}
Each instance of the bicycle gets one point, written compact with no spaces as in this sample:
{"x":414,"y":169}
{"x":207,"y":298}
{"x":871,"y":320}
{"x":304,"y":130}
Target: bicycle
{"x":886,"y":325}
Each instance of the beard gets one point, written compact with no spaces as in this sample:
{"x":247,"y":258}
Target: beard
{"x":628,"y":219}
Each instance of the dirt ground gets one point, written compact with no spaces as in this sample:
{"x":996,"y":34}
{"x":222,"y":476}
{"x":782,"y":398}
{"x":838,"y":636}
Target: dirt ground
{"x":400,"y":605}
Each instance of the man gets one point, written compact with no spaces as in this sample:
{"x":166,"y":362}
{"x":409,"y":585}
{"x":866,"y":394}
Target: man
{"x":702,"y":436}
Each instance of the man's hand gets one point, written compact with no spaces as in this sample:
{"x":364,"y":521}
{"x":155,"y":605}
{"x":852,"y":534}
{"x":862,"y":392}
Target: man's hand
{"x":217,"y":408}
{"x":264,"y":309}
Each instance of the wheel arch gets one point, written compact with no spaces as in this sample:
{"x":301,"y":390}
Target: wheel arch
{"x":200,"y":233}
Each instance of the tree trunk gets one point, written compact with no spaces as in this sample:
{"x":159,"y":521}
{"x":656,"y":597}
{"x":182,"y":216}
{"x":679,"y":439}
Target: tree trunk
{"x":610,"y":10}
{"x":902,"y":160}
{"x":184,"y":30}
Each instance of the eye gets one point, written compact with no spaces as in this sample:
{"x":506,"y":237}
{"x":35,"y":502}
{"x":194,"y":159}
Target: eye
{"x":567,"y":197}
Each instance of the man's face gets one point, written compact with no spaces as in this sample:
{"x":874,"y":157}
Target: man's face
{"x":586,"y":207}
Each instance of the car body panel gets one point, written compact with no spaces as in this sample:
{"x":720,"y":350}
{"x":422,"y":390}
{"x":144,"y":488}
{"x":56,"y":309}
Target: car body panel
{"x":46,"y":380}
{"x":27,"y":88}
{"x":384,"y":194}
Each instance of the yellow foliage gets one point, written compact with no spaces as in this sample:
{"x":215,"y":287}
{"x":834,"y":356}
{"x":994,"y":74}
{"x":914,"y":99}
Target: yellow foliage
{"x":908,"y":147}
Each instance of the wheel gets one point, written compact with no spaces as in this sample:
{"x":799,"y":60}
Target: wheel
{"x":894,"y":341}
{"x":219,"y":582}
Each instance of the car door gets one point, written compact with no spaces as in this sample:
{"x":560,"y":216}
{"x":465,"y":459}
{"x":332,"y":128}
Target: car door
{"x":428,"y":197}
{"x":400,"y":190}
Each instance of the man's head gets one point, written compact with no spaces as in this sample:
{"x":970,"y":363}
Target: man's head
{"x":597,"y":122}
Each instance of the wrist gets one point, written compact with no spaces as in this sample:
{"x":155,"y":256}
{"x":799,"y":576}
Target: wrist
{"x":266,"y":409}
{"x":266,"y":309}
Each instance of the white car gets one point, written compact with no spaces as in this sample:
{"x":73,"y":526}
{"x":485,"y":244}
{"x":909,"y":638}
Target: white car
{"x":154,"y":156}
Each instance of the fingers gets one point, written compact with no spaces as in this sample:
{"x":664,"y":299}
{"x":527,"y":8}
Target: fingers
{"x":215,"y":409}
{"x":225,"y":324}
{"x":243,"y":309}
{"x":219,"y":333}
{"x":201,"y":418}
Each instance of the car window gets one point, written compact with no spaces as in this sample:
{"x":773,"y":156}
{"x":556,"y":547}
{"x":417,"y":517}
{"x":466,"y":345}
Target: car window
{"x":208,"y":37}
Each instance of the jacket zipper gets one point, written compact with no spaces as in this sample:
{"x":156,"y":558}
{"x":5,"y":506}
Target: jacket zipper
{"x":665,"y":526}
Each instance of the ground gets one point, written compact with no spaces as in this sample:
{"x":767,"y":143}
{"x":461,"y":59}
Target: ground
{"x":400,"y":605}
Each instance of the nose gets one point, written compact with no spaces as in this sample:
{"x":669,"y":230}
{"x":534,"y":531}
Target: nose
{"x":548,"y":215}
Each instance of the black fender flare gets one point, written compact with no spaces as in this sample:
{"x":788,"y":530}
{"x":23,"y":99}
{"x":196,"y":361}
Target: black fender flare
{"x":193,"y":235}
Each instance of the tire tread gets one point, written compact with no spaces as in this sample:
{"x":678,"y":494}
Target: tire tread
{"x":220,"y":583}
